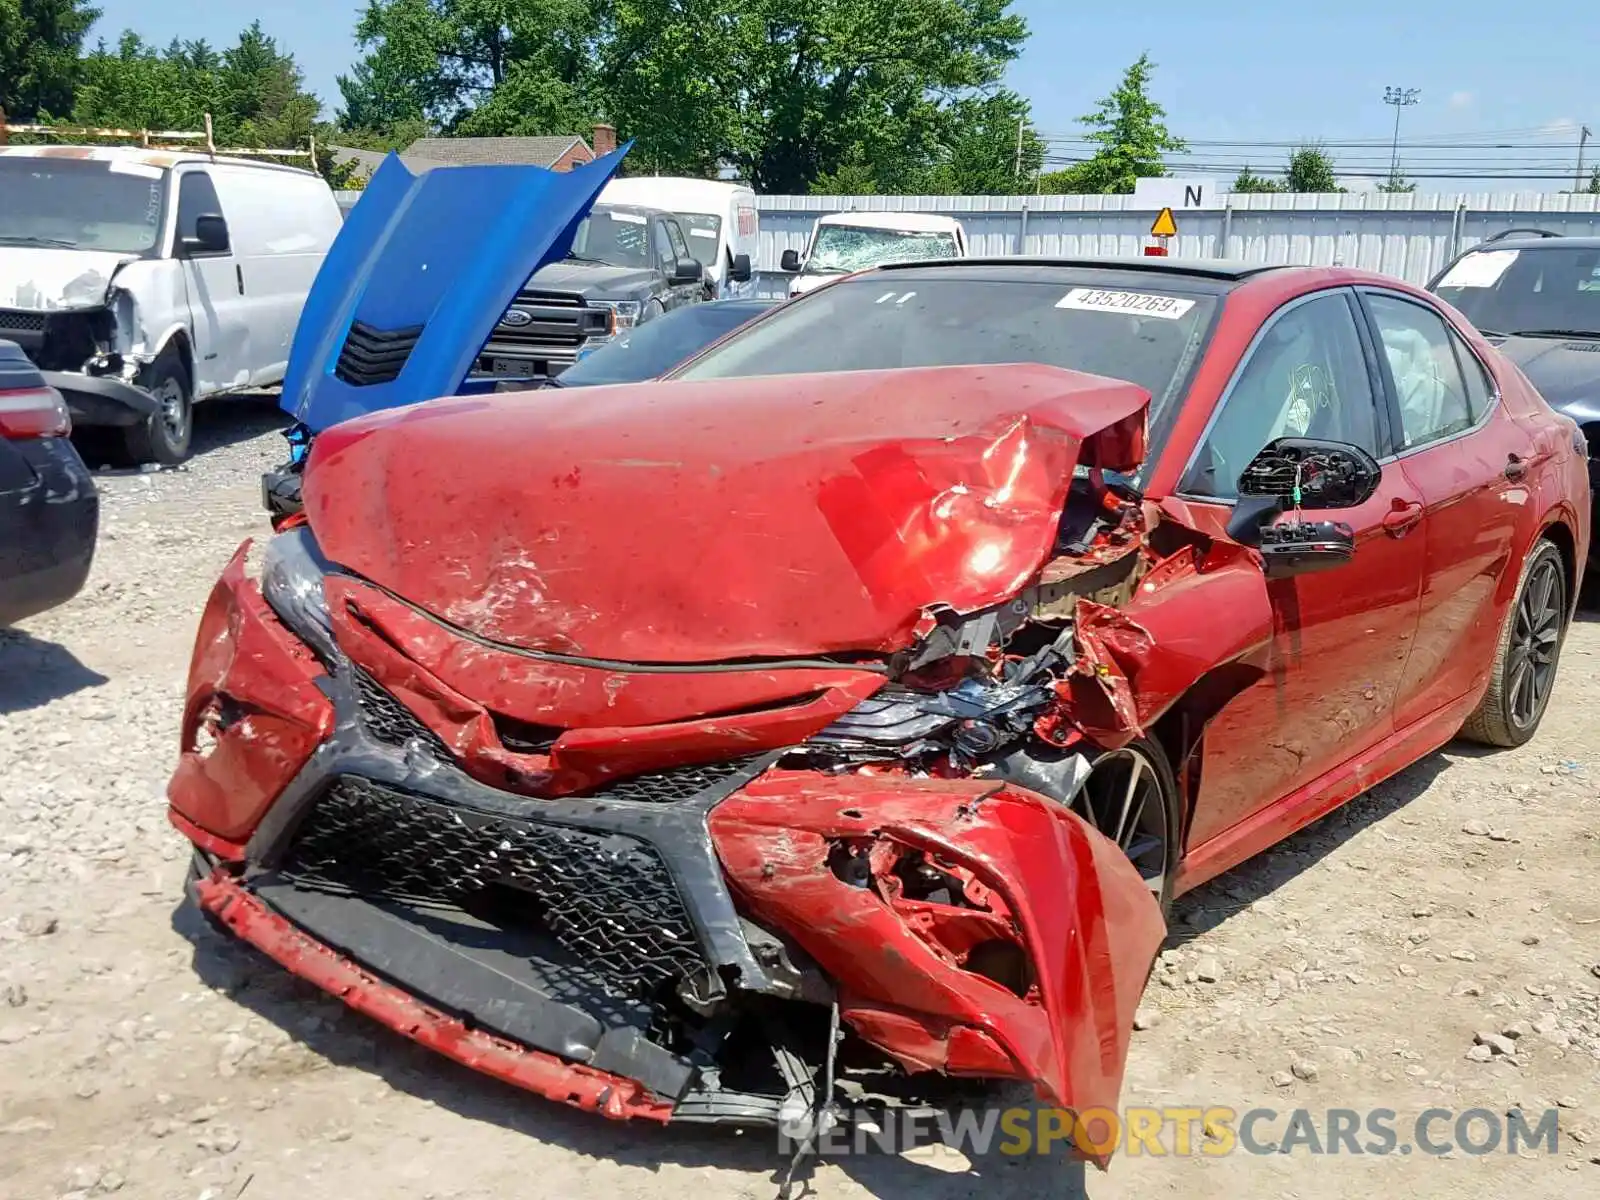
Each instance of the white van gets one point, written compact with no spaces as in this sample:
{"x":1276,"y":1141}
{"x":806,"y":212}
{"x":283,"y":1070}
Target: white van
{"x":140,"y":281}
{"x":720,"y":218}
{"x":853,"y":241}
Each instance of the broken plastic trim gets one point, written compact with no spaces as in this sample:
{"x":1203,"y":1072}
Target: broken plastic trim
{"x":292,"y":571}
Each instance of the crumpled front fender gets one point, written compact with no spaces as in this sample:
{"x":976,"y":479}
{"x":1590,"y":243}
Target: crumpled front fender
{"x":936,"y":985}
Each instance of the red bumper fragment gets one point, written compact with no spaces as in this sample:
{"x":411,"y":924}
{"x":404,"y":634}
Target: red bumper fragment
{"x":544,"y":1074}
{"x":928,"y":980}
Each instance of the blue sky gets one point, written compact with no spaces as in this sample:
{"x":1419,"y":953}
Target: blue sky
{"x":1254,"y":71}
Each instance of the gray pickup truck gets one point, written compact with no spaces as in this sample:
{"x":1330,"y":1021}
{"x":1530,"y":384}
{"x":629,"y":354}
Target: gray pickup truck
{"x":627,"y":266}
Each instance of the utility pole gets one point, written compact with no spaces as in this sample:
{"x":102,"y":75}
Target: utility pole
{"x":1400,"y":98}
{"x":1017,"y":170}
{"x":1577,"y":178}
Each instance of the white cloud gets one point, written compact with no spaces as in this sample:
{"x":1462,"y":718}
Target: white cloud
{"x":1561,"y":125}
{"x":1461,"y":99}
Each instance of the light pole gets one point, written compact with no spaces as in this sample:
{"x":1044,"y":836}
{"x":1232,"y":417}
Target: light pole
{"x":1400,"y":98}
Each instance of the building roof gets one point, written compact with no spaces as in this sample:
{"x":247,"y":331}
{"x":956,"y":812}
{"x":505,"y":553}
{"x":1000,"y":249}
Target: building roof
{"x":473,"y":151}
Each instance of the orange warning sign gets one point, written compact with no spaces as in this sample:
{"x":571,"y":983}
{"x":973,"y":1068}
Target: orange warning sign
{"x":1165,"y":226}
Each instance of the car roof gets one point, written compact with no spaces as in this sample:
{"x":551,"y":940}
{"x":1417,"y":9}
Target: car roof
{"x":1536,"y":241}
{"x":691,"y":195}
{"x":1214,"y":273}
{"x":910,"y":222}
{"x":143,"y":157}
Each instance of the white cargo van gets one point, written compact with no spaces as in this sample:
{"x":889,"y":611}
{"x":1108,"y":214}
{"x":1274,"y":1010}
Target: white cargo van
{"x":853,"y":241}
{"x":140,"y":281}
{"x":720,"y":218}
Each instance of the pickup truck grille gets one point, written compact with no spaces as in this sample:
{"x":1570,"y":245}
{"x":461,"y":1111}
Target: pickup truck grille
{"x":553,"y":328}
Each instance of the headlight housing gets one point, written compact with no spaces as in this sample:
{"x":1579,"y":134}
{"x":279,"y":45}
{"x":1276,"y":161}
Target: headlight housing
{"x":625,"y":314}
{"x":292,"y":571}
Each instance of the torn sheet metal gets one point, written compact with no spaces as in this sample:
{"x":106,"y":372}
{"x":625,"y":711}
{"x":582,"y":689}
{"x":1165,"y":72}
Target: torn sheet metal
{"x":253,"y":714}
{"x":1027,"y":873}
{"x":718,"y":520}
{"x":48,"y":280}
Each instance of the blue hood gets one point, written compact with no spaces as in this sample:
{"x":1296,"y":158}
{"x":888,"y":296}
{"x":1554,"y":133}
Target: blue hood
{"x":422,"y":271}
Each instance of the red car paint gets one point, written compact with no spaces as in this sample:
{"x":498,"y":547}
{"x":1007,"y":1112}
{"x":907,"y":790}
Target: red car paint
{"x":1047,"y":881}
{"x":884,"y":492}
{"x":253,"y":697}
{"x":633,"y":528}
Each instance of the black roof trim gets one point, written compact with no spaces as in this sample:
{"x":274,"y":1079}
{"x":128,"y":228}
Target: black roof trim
{"x":1203,"y":268}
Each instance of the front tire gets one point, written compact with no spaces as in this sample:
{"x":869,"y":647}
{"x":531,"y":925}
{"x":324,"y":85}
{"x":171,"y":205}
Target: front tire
{"x":1131,"y":796}
{"x":165,"y":436}
{"x":1524,"y":671}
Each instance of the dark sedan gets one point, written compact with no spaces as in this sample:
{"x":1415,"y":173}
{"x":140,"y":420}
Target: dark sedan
{"x":49,"y":509}
{"x":1537,"y":297}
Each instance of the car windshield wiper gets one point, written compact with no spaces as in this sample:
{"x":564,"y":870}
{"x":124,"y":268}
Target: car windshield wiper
{"x":1583,"y":333}
{"x":599,"y":262}
{"x":17,"y":239}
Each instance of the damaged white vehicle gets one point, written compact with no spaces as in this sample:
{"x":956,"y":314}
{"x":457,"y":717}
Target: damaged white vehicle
{"x":140,"y":281}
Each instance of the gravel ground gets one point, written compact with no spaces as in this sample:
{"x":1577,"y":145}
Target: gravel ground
{"x":1434,"y":944}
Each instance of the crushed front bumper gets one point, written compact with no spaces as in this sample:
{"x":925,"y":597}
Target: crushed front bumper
{"x":597,"y":948}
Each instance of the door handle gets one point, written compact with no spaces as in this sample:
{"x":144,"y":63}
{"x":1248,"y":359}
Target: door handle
{"x":238,"y":273}
{"x":1516,"y":467}
{"x":1401,"y":517}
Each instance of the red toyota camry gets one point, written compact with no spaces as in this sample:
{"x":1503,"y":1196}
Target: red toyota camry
{"x":851,"y":704}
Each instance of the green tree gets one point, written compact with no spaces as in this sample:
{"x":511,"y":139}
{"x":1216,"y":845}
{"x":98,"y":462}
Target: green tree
{"x":1594,"y":182}
{"x":1129,"y":127}
{"x":1310,"y":169}
{"x":1248,"y":181}
{"x":40,"y":44}
{"x":1397,"y":183}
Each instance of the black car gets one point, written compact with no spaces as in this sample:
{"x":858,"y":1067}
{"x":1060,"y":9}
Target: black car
{"x":1536,"y":295}
{"x":641,"y":353}
{"x":49,"y":509}
{"x":628,"y":265}
{"x":650,"y":350}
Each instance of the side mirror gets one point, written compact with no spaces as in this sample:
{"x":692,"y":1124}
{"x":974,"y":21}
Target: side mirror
{"x":210,"y":235}
{"x":1302,"y":474}
{"x":687,"y":270}
{"x":790,"y":260}
{"x":741,"y":272}
{"x":1312,"y":473}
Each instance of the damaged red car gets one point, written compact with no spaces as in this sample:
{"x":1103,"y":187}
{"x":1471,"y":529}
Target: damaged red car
{"x":849,"y":706}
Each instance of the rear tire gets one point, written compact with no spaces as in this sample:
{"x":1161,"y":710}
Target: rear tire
{"x":165,"y":436}
{"x":1529,"y":650}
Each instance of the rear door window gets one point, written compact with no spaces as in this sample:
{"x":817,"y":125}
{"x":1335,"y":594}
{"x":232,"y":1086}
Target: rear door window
{"x":1419,"y":352}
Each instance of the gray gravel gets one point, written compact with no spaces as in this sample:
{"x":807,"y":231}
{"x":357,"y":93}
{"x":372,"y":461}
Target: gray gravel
{"x":1435,"y":943}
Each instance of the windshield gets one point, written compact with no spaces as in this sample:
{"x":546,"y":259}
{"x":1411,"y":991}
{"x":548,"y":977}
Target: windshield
{"x":1144,"y":331}
{"x":651,"y":349}
{"x":613,"y":237}
{"x":74,"y":204}
{"x":843,"y":248}
{"x":704,"y":231}
{"x":1552,"y":289}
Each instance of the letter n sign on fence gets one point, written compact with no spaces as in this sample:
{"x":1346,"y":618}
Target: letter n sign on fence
{"x":1176,"y":194}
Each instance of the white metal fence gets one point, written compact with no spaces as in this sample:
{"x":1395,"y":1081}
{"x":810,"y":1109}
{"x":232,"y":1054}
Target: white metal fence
{"x":1409,"y":235}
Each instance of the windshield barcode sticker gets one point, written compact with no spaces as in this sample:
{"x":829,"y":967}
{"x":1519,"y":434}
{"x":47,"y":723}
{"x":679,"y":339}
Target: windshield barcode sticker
{"x":1481,"y":270}
{"x":1134,"y":304}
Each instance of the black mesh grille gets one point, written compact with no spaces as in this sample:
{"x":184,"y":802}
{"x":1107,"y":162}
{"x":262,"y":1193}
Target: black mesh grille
{"x":33,"y":322}
{"x":607,"y":898}
{"x":671,"y":786}
{"x":375,"y":355}
{"x":390,"y":721}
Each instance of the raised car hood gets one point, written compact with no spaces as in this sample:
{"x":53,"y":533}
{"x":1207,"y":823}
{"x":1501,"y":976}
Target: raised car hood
{"x":710,"y":521}
{"x":48,"y":280}
{"x":427,"y":264}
